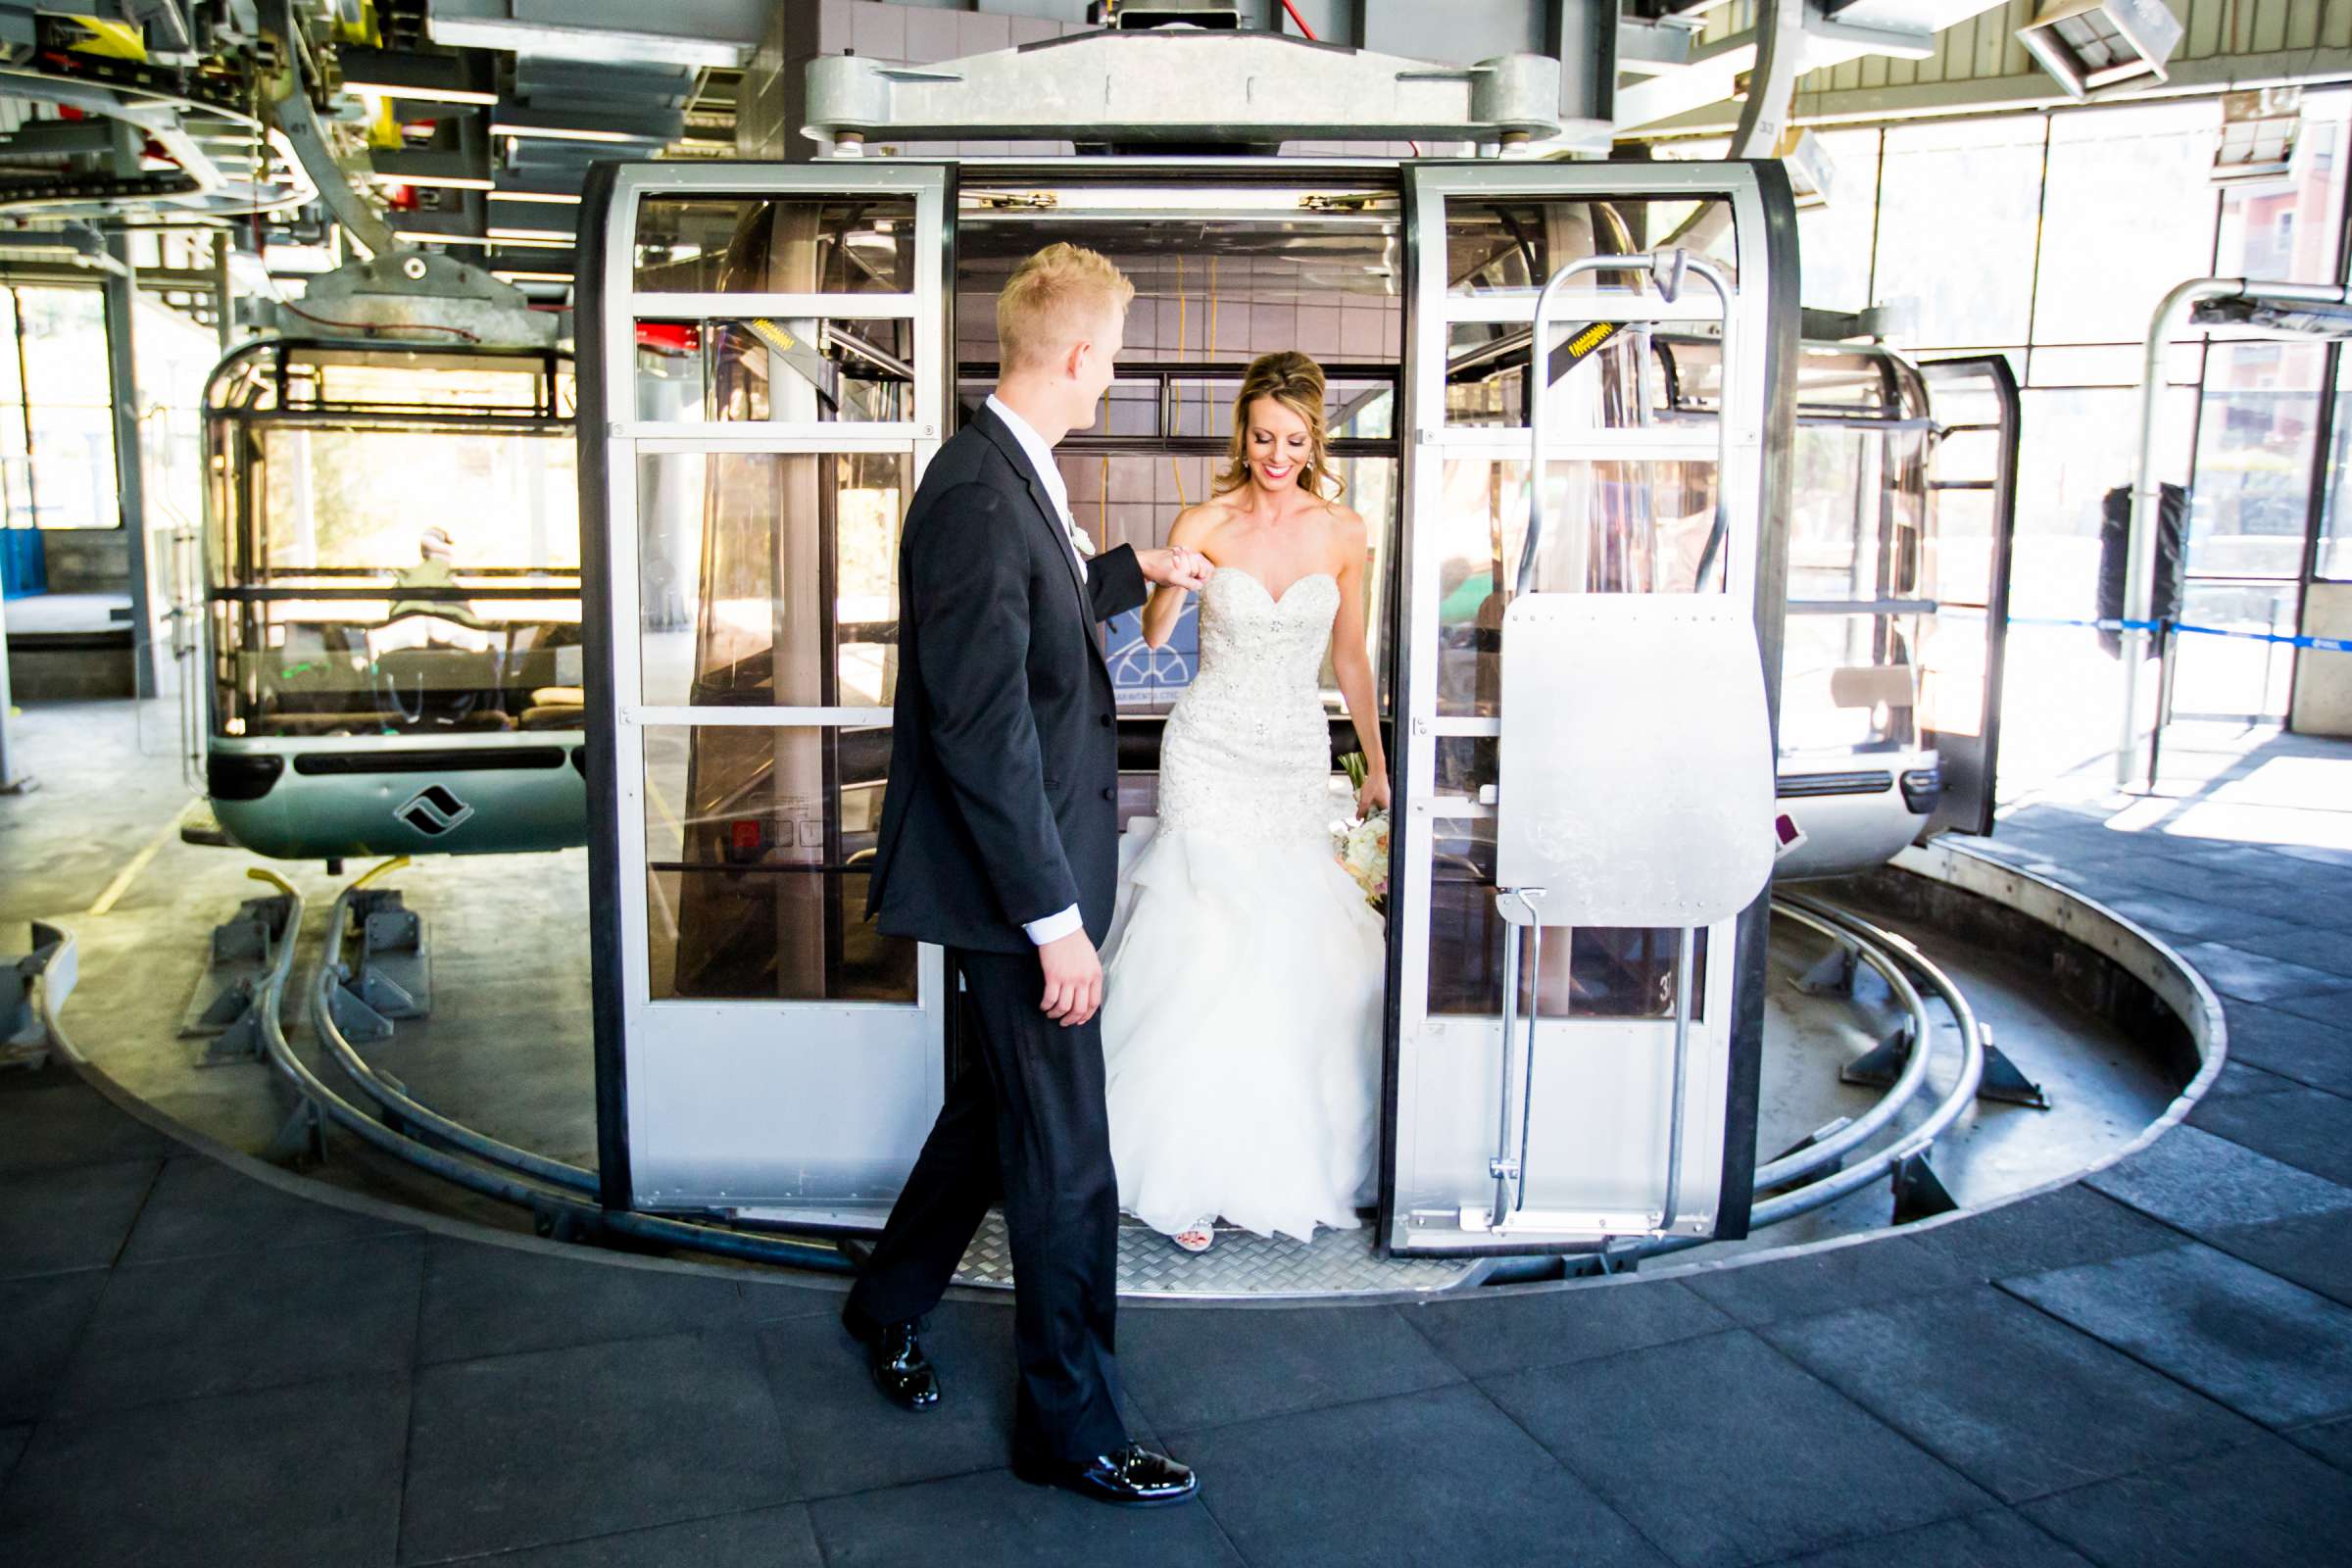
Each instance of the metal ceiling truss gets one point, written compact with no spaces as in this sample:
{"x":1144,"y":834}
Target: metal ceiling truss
{"x":474,"y":120}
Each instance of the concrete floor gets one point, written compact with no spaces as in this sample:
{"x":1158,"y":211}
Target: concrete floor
{"x":2151,"y":1366}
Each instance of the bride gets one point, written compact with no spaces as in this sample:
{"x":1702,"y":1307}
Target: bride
{"x":1243,"y":973}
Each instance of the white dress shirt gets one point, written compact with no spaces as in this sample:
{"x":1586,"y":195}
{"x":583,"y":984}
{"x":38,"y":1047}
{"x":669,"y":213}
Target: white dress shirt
{"x":1041,"y":458}
{"x":1062,"y":922}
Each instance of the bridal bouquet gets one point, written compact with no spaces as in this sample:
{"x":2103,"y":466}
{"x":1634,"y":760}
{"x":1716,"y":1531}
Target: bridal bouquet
{"x":1363,"y":847}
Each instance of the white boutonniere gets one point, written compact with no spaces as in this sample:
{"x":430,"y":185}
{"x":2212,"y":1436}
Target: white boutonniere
{"x":1086,"y":546}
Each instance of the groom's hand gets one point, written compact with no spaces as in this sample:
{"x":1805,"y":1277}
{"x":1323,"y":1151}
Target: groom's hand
{"x":1175,"y":567}
{"x":1073,"y":979}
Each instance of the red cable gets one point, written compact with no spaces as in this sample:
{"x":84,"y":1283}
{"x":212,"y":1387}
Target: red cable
{"x":373,"y":326}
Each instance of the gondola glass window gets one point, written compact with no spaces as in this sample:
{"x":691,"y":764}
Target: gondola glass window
{"x":771,"y":579}
{"x":57,"y":434}
{"x":1631,"y":479}
{"x":749,"y":244}
{"x":768,"y":580}
{"x":1315,"y":269}
{"x":394,"y":542}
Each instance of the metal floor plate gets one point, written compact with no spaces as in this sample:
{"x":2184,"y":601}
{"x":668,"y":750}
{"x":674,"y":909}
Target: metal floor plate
{"x":1240,"y":1265}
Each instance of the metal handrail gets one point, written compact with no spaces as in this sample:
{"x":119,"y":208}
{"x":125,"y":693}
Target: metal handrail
{"x":1667,"y":270}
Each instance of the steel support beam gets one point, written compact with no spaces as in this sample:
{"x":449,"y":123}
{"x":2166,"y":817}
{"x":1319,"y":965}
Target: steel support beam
{"x":299,"y":120}
{"x":13,"y":779}
{"x":1177,"y":85}
{"x":122,"y":389}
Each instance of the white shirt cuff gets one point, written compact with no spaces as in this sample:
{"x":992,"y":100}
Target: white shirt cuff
{"x":1053,"y":927}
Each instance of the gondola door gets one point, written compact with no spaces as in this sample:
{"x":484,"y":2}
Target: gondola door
{"x":765,"y":375}
{"x":1973,"y":487}
{"x":1557,"y":1084}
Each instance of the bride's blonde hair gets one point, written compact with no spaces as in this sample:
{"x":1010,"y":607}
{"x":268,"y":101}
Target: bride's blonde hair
{"x":1295,"y":381}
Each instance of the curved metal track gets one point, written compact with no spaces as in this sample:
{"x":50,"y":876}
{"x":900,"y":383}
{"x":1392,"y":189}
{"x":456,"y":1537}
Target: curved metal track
{"x":409,"y":1129}
{"x":554,"y":1210}
{"x":1895,"y":957}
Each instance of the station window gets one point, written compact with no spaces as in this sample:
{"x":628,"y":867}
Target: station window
{"x":2251,"y":500}
{"x":2334,"y":557}
{"x":57,"y":433}
{"x":2128,"y":212}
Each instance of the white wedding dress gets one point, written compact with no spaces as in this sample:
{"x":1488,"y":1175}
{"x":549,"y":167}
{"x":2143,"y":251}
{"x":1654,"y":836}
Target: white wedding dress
{"x":1242,"y":1018}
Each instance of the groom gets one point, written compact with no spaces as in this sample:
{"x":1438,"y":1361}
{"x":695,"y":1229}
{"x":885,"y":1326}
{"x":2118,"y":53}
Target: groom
{"x":998,"y":842}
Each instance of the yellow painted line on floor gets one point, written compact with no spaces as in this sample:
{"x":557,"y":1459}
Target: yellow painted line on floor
{"x":131,"y":872}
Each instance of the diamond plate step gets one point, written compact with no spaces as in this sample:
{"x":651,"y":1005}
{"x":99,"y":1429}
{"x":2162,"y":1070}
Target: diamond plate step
{"x":1240,"y":1264}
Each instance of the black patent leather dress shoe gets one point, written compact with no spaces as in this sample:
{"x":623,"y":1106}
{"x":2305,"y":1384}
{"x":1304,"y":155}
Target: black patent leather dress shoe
{"x":894,"y":1355}
{"x":1134,"y":1476}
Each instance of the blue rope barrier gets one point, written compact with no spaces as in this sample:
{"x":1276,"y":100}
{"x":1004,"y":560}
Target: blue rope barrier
{"x":2336,"y":645}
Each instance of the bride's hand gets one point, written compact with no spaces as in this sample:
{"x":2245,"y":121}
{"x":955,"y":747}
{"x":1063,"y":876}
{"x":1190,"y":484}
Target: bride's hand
{"x":1373,"y":796}
{"x":1175,"y":567}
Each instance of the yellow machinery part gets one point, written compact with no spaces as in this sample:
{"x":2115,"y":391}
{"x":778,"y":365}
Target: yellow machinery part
{"x":115,"y":40}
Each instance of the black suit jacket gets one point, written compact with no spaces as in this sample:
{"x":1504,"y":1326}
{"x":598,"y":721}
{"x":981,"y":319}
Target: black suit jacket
{"x":1001,"y":805}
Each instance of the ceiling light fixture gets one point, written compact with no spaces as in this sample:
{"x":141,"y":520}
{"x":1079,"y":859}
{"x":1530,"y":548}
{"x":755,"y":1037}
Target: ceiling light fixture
{"x":509,"y":127}
{"x":418,"y":75}
{"x":596,"y":45}
{"x":467,"y":96}
{"x":440,"y":181}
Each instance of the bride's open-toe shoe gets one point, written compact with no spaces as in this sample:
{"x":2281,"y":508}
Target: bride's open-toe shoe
{"x":1197,"y":1239}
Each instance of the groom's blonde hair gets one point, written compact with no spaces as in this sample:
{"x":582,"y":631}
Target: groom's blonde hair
{"x":1055,"y":298}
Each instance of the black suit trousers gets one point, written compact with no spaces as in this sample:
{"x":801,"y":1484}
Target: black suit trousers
{"x":1025,"y":1122}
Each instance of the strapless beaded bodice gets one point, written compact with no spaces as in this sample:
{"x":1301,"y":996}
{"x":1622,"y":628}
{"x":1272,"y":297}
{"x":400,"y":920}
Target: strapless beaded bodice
{"x":1247,"y":750}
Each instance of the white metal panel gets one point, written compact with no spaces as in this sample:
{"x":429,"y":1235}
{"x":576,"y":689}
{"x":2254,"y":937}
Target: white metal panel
{"x":1636,"y":783}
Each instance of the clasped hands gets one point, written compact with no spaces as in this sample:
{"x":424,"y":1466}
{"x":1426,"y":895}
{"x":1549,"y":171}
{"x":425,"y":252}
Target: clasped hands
{"x":1175,"y":567}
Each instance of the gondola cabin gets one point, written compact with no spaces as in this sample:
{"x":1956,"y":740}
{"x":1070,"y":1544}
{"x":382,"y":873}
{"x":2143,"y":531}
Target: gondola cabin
{"x":392,"y":600}
{"x":1577,"y":616}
